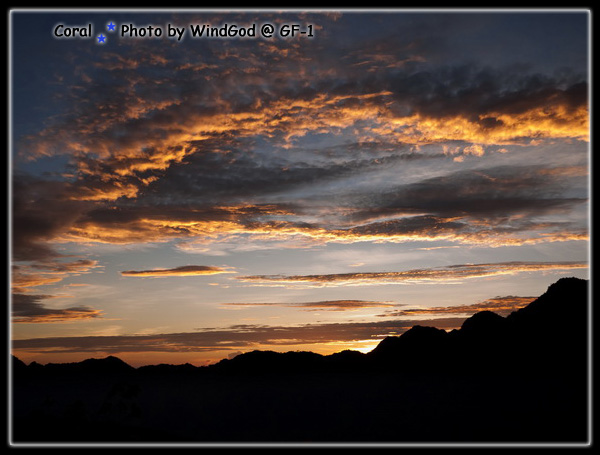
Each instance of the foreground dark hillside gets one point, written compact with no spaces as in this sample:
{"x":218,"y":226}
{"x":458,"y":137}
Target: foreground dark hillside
{"x":522,"y":378}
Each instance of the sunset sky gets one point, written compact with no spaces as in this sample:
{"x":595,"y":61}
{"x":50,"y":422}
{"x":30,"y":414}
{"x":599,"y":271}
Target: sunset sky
{"x":185,"y":201}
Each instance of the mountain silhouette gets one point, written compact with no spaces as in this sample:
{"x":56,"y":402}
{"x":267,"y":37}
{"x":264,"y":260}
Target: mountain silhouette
{"x":519,"y":378}
{"x":108,"y":366}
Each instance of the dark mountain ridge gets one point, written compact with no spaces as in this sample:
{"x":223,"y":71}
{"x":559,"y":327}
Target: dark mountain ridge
{"x":517,"y":378}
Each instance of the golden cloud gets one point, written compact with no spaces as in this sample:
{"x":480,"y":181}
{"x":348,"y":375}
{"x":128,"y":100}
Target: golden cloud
{"x":368,"y":115}
{"x":150,"y":228}
{"x":185,"y":270}
{"x":66,"y":315}
{"x":48,"y":272}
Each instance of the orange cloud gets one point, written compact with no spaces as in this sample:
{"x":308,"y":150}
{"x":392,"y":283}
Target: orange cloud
{"x":290,"y":118}
{"x":550,"y":122}
{"x":465,"y":230}
{"x":162,"y":133}
{"x":47,"y":272}
{"x":66,"y":315}
{"x":22,"y":280}
{"x":186,"y":270}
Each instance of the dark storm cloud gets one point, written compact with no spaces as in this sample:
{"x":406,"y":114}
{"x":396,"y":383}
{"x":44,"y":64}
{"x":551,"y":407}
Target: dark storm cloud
{"x":478,"y":93}
{"x":220,"y":100}
{"x":157,"y":136}
{"x":493,"y":192}
{"x":239,"y":175}
{"x":40,"y":212}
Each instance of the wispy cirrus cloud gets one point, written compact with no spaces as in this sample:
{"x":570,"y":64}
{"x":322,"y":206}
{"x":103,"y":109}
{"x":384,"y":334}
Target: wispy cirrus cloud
{"x":500,"y":305}
{"x":436,"y":274}
{"x":327,"y":305}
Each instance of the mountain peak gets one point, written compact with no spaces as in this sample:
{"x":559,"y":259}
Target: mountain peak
{"x":110,"y":362}
{"x":486,"y":338}
{"x":483,"y":322}
{"x":565,"y":299}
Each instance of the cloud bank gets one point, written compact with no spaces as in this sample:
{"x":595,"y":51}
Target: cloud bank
{"x":244,"y":336}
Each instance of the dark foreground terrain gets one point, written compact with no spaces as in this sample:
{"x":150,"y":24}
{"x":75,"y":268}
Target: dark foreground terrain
{"x":523,"y":379}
